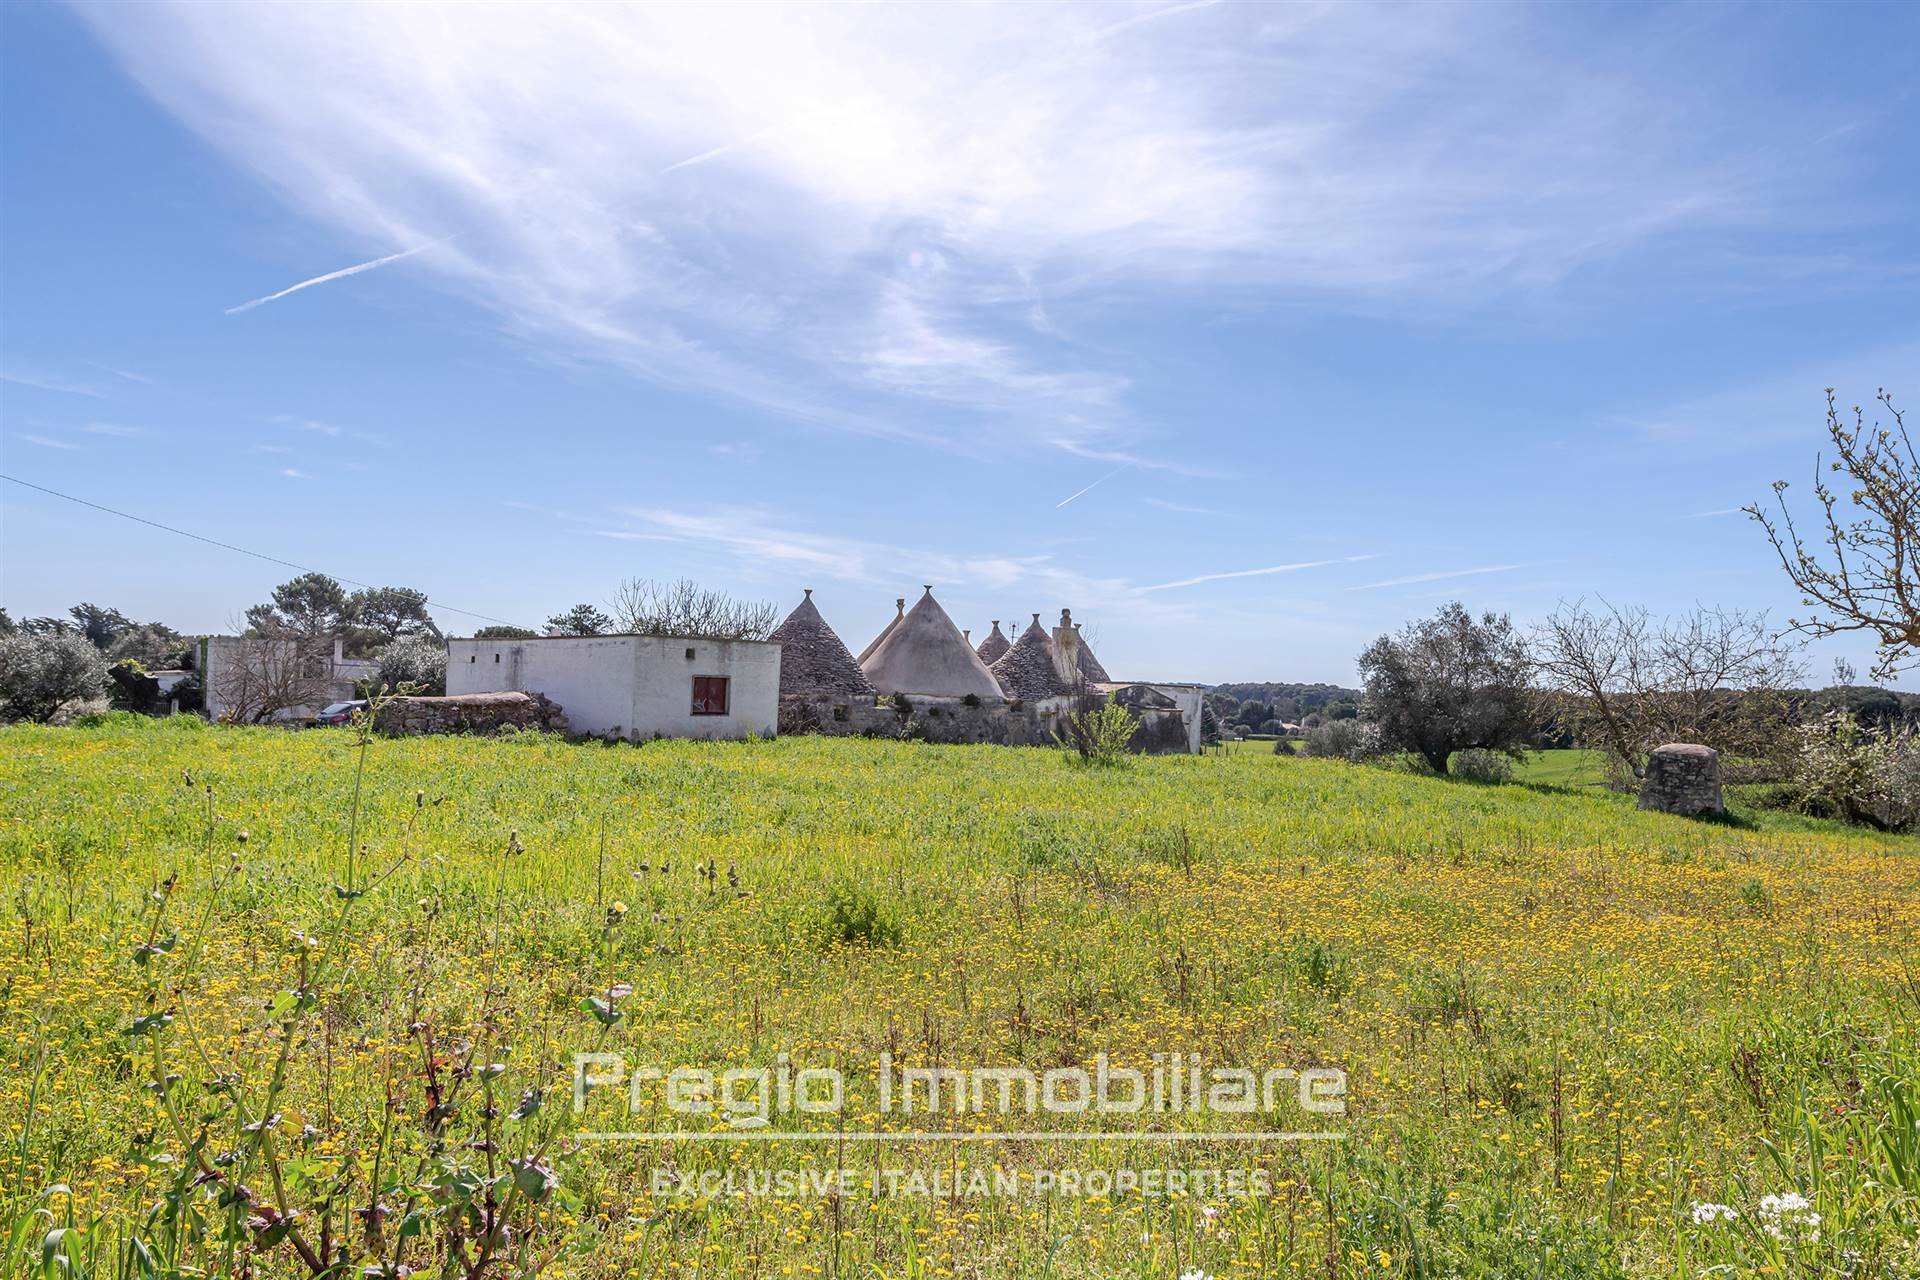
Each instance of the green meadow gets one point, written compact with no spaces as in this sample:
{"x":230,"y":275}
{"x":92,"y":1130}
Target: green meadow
{"x":290,"y":1004}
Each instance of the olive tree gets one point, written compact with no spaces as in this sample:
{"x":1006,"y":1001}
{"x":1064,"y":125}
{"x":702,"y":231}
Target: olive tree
{"x":43,"y":675}
{"x":416,"y":664}
{"x":1448,"y":683}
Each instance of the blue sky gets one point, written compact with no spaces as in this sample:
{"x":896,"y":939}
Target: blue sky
{"x":1340,"y":311}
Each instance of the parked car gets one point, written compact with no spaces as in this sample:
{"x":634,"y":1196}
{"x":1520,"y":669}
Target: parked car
{"x":340,"y":712}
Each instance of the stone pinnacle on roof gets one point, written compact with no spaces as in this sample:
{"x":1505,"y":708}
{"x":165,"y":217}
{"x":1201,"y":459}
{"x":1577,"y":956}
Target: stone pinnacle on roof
{"x":993,"y":646}
{"x":1027,"y":670}
{"x":812,"y":658}
{"x":900,"y":611}
{"x":924,"y":653}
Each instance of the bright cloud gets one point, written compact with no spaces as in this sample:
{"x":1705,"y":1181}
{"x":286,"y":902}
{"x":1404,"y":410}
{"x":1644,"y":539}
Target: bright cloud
{"x":875,"y":218}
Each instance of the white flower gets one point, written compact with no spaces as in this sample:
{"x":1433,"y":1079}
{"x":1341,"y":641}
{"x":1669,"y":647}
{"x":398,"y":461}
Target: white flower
{"x":1210,"y":1212}
{"x":1707,"y":1212}
{"x":1789,"y":1215}
{"x":1195,"y":1274}
{"x":1777,"y":1205}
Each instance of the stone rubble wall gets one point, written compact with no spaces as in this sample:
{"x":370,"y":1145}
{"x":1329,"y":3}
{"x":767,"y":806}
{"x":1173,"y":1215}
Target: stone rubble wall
{"x":470,"y":713}
{"x":951,"y":720}
{"x":1682,"y":778}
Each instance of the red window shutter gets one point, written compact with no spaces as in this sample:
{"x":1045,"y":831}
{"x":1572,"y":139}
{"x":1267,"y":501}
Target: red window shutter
{"x":710,"y":695}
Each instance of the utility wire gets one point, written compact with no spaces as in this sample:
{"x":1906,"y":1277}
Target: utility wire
{"x":228,"y":546}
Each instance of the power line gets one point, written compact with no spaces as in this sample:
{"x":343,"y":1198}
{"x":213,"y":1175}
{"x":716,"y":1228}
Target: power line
{"x":228,"y":546}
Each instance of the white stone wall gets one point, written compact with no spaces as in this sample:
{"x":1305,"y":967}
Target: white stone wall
{"x":635,"y":687}
{"x":663,"y":687}
{"x":591,"y":677}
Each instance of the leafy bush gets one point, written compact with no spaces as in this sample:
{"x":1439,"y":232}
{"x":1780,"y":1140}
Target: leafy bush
{"x":122,"y":720}
{"x":1835,"y":768}
{"x":1354,"y":740}
{"x":415,"y":663}
{"x":42,"y":675}
{"x":1097,"y":735}
{"x":852,"y":915}
{"x":1476,"y":764}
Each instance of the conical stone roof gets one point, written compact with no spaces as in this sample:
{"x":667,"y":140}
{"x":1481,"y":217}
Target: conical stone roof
{"x":1027,"y":670}
{"x":812,"y":658}
{"x":993,"y":646}
{"x":900,"y":611}
{"x":924,"y":653}
{"x":1090,"y":668}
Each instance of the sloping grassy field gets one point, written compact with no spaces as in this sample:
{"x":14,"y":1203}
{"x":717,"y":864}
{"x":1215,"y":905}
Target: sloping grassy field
{"x":1564,"y":1023}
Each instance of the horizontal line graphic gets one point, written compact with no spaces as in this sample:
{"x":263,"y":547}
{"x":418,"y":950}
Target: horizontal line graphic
{"x":1040,"y":1135}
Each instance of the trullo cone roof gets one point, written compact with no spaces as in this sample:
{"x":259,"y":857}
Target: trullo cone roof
{"x":1090,"y":668}
{"x":993,"y":646}
{"x":924,"y":653}
{"x":1027,"y":670}
{"x":812,"y":658}
{"x":900,"y":611}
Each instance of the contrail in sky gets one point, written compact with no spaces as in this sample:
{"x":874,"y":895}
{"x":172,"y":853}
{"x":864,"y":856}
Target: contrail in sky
{"x":332,"y":275}
{"x":1095,"y":485}
{"x":1260,"y":573}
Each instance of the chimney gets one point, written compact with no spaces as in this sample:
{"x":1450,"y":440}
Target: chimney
{"x":339,"y":651}
{"x":1066,"y":649}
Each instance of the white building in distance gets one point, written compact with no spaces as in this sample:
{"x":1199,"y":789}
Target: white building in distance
{"x":629,"y":686}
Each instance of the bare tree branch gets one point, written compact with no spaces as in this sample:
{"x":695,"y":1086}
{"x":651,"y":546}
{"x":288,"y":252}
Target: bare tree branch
{"x":1627,"y":684}
{"x":1862,"y":571}
{"x":685,"y":608}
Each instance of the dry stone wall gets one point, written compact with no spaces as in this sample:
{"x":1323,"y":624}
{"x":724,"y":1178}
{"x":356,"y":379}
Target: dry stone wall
{"x":1683,"y":778}
{"x":470,"y":713}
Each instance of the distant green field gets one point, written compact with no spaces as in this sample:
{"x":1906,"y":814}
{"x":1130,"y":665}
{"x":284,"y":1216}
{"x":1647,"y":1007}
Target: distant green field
{"x":349,"y":977}
{"x":1563,"y":769}
{"x":1545,"y":768}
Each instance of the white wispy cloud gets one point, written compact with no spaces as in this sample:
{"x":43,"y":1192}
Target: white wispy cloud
{"x":863,"y":234}
{"x":1181,"y":507}
{"x":294,"y":473}
{"x":331,"y":430}
{"x":113,"y":429}
{"x":341,"y":274}
{"x":127,"y":375}
{"x":1442,"y":575}
{"x":47,"y":442}
{"x":49,"y":382}
{"x":1720,"y":511}
{"x":1259,"y":573}
{"x":761,"y":543}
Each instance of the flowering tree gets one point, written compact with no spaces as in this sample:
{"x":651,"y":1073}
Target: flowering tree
{"x":1861,"y":572}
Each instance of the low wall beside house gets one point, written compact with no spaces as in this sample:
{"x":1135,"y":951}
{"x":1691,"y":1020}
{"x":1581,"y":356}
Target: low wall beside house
{"x":470,"y":713}
{"x":922,"y":718}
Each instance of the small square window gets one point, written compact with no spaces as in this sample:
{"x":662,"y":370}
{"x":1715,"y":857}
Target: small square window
{"x":496,"y":657}
{"x":472,"y":658}
{"x":689,"y":655}
{"x":710,"y":695}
